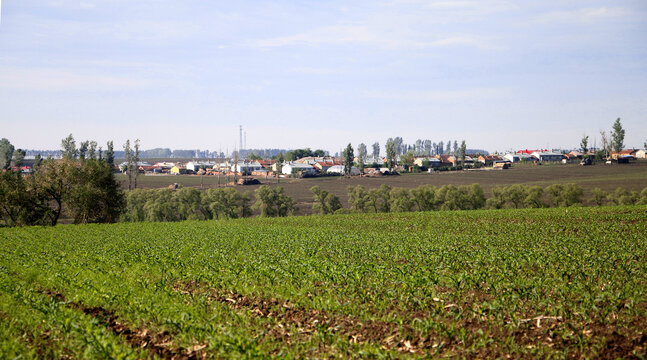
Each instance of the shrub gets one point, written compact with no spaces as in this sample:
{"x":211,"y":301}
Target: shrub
{"x":324,"y":201}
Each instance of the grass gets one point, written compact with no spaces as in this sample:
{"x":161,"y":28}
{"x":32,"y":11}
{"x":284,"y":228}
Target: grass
{"x":564,"y":282}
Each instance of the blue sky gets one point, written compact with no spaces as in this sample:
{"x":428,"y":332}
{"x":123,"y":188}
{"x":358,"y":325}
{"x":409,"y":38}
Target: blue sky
{"x":185,"y":74}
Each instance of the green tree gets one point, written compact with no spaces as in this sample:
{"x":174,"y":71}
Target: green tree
{"x":584,"y":144}
{"x":228,"y":203}
{"x":319,"y":153}
{"x":324,"y":201}
{"x":361,"y":157}
{"x":379,"y":199}
{"x":376,"y":149}
{"x":21,"y":203}
{"x":83,"y":149}
{"x":18,"y":157}
{"x":408,"y":159}
{"x":110,"y":154}
{"x":6,"y":153}
{"x":391,"y":153}
{"x":358,"y":199}
{"x":272,"y":202}
{"x":424,"y":196}
{"x":618,"y":136}
{"x":599,"y":196}
{"x":38,"y":161}
{"x":400,"y":200}
{"x":92,"y":150}
{"x":348,"y":159}
{"x":69,"y":147}
{"x":463,"y":151}
{"x":534,"y":196}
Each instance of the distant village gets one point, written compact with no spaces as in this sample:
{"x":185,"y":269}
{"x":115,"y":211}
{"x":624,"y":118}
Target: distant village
{"x":372,"y":166}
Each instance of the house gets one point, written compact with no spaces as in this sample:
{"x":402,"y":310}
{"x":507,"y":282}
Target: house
{"x":177,"y":170}
{"x":640,"y":154}
{"x":547,"y":156}
{"x":266,"y":163}
{"x":294,"y":167}
{"x":529,"y":152}
{"x":456,"y":160}
{"x":246,"y":168}
{"x":501,"y":164}
{"x":324,"y":166}
{"x":624,"y":153}
{"x":489,"y":159}
{"x":339,"y":169}
{"x":421,"y":160}
{"x":513,"y":158}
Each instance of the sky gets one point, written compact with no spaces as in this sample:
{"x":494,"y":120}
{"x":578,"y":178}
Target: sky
{"x":321,"y":74}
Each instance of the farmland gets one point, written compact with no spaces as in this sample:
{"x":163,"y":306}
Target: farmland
{"x":563,"y":282}
{"x":631,"y":176}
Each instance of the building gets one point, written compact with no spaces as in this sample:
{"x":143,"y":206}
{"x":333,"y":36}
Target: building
{"x":489,"y":159}
{"x":640,"y":154}
{"x":547,"y":156}
{"x":339,"y":169}
{"x":422,"y":160}
{"x":246,"y":168}
{"x":294,"y":168}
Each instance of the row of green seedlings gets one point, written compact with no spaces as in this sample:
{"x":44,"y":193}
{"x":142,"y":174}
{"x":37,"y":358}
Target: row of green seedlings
{"x":228,"y":203}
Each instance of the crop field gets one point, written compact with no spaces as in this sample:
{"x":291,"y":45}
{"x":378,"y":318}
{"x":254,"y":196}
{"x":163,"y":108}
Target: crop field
{"x":607,"y":177}
{"x":538,"y":283}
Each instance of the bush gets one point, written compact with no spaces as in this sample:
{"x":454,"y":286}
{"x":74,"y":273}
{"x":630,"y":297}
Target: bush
{"x":273,"y":202}
{"x":400,"y":200}
{"x":325,"y":202}
{"x":565,"y":195}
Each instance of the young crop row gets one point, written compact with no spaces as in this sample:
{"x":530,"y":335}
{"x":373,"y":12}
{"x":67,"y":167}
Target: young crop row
{"x":561,"y":282}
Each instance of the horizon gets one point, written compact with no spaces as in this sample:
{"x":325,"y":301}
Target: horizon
{"x":500,"y":75}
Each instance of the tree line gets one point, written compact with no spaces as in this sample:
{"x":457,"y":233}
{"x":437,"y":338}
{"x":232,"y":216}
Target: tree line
{"x":80,"y":186}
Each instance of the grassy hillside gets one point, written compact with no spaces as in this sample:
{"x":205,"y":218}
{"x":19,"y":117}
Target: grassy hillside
{"x":565,"y":282}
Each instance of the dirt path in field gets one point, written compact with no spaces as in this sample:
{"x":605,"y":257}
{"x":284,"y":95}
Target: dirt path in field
{"x":160,"y":343}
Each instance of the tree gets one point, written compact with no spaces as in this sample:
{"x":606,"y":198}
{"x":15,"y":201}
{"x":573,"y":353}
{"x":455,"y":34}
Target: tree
{"x":253,"y":156}
{"x":273,"y":202}
{"x":83,"y":149}
{"x":408,"y":159}
{"x":358,"y":198}
{"x":21,"y":203}
{"x":617,"y":136}
{"x":136,"y":161}
{"x":324,"y":201}
{"x":18,"y":157}
{"x":319,"y":153}
{"x":110,"y":154}
{"x":390,"y":153}
{"x":94,"y":195}
{"x":6,"y":153}
{"x":128,"y":154}
{"x":584,"y":144}
{"x":361,"y":157}
{"x":348,"y":159}
{"x":449,"y":147}
{"x":455,"y":148}
{"x":69,"y":147}
{"x":463,"y":151}
{"x":38,"y":161}
{"x":227,"y":203}
{"x":92,"y":150}
{"x":606,"y":143}
{"x":376,"y":149}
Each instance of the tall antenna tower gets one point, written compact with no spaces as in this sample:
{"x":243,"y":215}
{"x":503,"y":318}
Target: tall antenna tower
{"x":241,"y":137}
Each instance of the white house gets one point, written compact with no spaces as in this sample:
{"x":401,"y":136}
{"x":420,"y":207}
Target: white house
{"x":339,"y":169}
{"x":291,"y":168}
{"x":547,"y":156}
{"x":640,"y":154}
{"x":513,"y":158}
{"x":246,"y":167}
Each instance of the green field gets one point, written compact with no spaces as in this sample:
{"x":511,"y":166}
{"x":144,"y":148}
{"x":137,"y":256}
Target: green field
{"x":562,"y":282}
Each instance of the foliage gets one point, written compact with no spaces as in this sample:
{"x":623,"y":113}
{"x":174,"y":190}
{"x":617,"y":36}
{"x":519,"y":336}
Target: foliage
{"x":408,"y":159}
{"x":69,"y":148}
{"x":6,"y":153}
{"x":361,"y":157}
{"x":565,"y":195}
{"x":584,"y":144}
{"x":617,"y":136}
{"x":391,"y":153}
{"x":324,"y":201}
{"x":272,"y":202}
{"x":463,"y":151}
{"x":348,"y":159}
{"x":599,"y":196}
{"x":93,"y":195}
{"x":358,"y":199}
